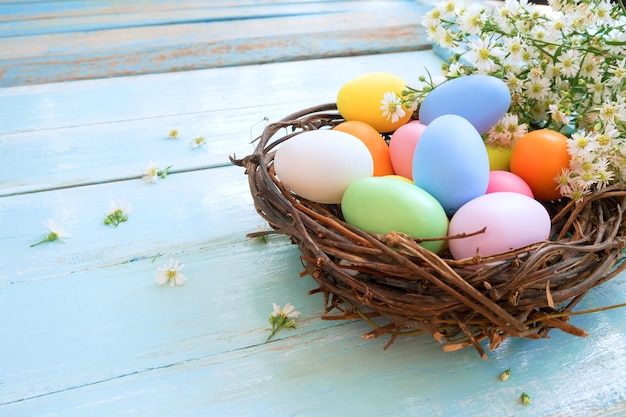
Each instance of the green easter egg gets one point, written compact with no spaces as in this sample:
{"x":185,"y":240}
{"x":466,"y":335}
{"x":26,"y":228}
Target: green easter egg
{"x":382,"y":205}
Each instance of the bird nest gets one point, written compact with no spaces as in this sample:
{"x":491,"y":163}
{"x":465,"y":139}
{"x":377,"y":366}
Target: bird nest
{"x":400,"y":288}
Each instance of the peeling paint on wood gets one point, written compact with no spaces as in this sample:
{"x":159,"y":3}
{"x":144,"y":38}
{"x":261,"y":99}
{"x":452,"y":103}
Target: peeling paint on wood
{"x":60,"y":41}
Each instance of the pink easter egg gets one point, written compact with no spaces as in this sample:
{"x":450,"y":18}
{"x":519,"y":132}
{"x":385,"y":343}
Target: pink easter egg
{"x":402,"y":147}
{"x":500,"y":181}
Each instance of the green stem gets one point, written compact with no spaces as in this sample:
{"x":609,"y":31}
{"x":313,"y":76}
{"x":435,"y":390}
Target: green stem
{"x":274,"y":330}
{"x":51,"y":237}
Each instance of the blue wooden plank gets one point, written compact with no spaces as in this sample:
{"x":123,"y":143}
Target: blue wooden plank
{"x":316,"y":33}
{"x":114,"y":18}
{"x":248,"y":89}
{"x":333,"y":371}
{"x":210,"y":55}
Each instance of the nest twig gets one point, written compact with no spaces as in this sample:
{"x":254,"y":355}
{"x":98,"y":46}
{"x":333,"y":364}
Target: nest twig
{"x":520,"y":293}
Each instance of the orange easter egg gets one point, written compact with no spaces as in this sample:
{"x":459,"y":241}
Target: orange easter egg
{"x":374,"y":142}
{"x":538,"y":158}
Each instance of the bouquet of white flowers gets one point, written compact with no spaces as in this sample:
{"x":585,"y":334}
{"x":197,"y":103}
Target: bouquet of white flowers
{"x":565,"y":66}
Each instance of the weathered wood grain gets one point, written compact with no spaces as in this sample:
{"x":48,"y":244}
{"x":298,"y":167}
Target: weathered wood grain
{"x":48,"y":48}
{"x":33,"y":19}
{"x":87,"y":332}
{"x":193,"y":209}
{"x":126,"y":125}
{"x":334,"y":371}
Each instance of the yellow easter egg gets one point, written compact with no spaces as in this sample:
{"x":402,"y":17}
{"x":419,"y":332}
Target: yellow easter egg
{"x":499,"y":158}
{"x":375,"y":99}
{"x":399,"y":177}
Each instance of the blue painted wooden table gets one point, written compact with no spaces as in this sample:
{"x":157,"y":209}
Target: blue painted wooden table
{"x":86,"y":330}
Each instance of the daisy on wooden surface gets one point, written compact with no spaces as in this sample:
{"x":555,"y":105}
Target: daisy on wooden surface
{"x":170,"y":272}
{"x":282,"y":318}
{"x":55,"y":232}
{"x":118,"y":213}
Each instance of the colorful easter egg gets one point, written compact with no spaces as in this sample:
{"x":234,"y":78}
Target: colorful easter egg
{"x":382,"y":205}
{"x":320,"y":164}
{"x":362,"y":98}
{"x":499,"y":157}
{"x":450,"y":162}
{"x":510,"y":220}
{"x":374,"y":142}
{"x":538,"y":158}
{"x":481,"y":99}
{"x":402,"y":147}
{"x":507,"y":181}
{"x":400,"y":178}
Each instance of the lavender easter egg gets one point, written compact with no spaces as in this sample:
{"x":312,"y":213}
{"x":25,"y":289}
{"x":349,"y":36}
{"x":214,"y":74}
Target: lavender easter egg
{"x":481,"y":99}
{"x":510,"y":221}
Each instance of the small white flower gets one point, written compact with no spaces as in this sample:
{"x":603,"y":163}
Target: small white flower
{"x":170,"y":272}
{"x":289,"y":311}
{"x":282,"y":318}
{"x":569,"y":63}
{"x":276,"y":311}
{"x":612,"y":112}
{"x":151,"y":173}
{"x":581,"y":146}
{"x":615,"y":41}
{"x":498,"y":135}
{"x":557,"y":115}
{"x":118,"y":213}
{"x":57,"y":229}
{"x":120,"y":205}
{"x":482,"y":54}
{"x":618,"y":72}
{"x":538,"y":88}
{"x":55,"y":232}
{"x":513,"y":82}
{"x":514,"y":48}
{"x":472,"y":20}
{"x":391,"y":105}
{"x":197,"y":142}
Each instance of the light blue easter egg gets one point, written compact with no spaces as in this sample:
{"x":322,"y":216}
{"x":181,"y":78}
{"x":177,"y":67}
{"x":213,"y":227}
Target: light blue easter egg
{"x":451,"y":162}
{"x":384,"y":204}
{"x":481,"y":99}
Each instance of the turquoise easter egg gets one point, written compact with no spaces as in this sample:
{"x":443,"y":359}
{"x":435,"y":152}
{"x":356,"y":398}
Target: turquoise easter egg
{"x":382,"y":205}
{"x":481,"y":99}
{"x":451,"y":162}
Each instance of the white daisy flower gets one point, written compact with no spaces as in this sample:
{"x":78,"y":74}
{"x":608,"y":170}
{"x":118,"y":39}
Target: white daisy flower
{"x":391,"y":105}
{"x":170,"y":272}
{"x":151,"y":173}
{"x":55,"y":232}
{"x":282,"y":318}
{"x":197,"y":142}
{"x":118,"y":213}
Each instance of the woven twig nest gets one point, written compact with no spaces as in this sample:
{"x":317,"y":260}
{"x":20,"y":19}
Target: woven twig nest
{"x":399,"y":287}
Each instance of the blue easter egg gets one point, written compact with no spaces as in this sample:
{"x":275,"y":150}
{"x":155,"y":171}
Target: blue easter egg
{"x":451,"y":162}
{"x":481,"y":99}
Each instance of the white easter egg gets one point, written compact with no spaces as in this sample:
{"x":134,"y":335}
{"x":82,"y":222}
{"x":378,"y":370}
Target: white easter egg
{"x":320,"y":164}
